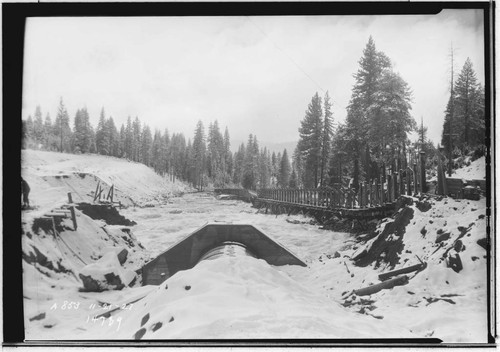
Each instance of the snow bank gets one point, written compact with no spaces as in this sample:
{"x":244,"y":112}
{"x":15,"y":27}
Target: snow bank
{"x":242,"y":297}
{"x":475,"y":171}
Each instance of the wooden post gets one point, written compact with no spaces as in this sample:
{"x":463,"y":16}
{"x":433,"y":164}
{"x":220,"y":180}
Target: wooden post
{"x":377,"y":194}
{"x":73,"y":217}
{"x":415,"y":178}
{"x":401,"y":183}
{"x":366,"y":194}
{"x":422,"y":172}
{"x":70,"y":199}
{"x":408,"y":181}
{"x":395,"y":185}
{"x":389,"y":189}
{"x":97,"y":190}
{"x":382,"y":190}
{"x":360,"y":195}
{"x":99,"y":193}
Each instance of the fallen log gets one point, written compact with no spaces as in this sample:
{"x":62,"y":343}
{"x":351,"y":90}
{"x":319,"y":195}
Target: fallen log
{"x":397,"y":281}
{"x":416,"y":267}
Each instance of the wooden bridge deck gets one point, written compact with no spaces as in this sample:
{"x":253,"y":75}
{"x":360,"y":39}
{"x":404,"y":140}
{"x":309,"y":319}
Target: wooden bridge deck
{"x":379,"y":211}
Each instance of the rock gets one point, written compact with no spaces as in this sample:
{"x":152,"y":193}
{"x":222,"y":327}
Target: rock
{"x":38,"y":317}
{"x":139,"y":334}
{"x":122,"y":256}
{"x":403,"y":201}
{"x":455,"y":263}
{"x":459,"y":246}
{"x":105,"y":274}
{"x":336,"y":254}
{"x":442,"y":237}
{"x":423,"y":231}
{"x":145,"y":319}
{"x":483,"y":242}
{"x":423,"y":206}
{"x":156,"y":326}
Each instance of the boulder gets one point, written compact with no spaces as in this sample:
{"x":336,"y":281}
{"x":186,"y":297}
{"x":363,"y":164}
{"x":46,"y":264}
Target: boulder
{"x":105,"y":274}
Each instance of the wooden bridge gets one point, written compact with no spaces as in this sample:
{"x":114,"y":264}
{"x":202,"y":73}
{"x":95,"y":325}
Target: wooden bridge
{"x":374,"y":199}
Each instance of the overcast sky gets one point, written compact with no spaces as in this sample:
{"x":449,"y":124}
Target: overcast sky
{"x":253,"y":74}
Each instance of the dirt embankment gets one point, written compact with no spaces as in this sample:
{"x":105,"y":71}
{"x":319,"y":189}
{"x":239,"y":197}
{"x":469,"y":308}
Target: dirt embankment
{"x":435,"y":228}
{"x":54,"y":247}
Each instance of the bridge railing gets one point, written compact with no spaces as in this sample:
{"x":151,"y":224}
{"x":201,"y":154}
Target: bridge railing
{"x":374,"y":193}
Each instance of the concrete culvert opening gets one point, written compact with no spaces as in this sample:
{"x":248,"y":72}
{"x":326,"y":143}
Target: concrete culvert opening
{"x":227,"y":248}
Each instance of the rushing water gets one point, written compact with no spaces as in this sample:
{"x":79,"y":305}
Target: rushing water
{"x":160,"y":227}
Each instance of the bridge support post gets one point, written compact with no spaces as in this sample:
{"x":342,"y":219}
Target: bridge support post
{"x":422,"y":172}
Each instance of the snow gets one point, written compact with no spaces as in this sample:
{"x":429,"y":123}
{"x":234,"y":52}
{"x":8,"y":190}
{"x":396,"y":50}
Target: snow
{"x":244,"y":297}
{"x":108,"y":265}
{"x":475,"y":171}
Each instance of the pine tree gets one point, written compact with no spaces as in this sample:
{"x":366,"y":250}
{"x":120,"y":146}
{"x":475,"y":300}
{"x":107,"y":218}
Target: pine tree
{"x":102,"y":138}
{"x":309,"y":143}
{"x":285,"y":170}
{"x":27,"y":133}
{"x":136,"y":139}
{"x":378,"y":118}
{"x":326,"y":138}
{"x":49,"y":140}
{"x":122,"y":153}
{"x":464,"y":122}
{"x":113,"y":137}
{"x":128,"y":141}
{"x":146,"y":145}
{"x":156,"y":151}
{"x":239,"y":161}
{"x":228,"y":157}
{"x":38,"y":131}
{"x":466,"y":102}
{"x":77,"y":132}
{"x":62,"y":128}
{"x":82,"y":135}
{"x":293,"y":179}
{"x":199,"y":155}
{"x":249,"y":177}
{"x":165,"y":151}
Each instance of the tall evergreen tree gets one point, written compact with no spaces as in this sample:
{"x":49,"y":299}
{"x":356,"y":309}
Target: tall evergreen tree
{"x":146,"y":145}
{"x":199,"y":155}
{"x":38,"y":130}
{"x":285,"y":170}
{"x":62,"y":128}
{"x":102,"y":137}
{"x":128,"y":141}
{"x":309,"y":143}
{"x":136,"y":139}
{"x":326,"y":138}
{"x":467,"y":102}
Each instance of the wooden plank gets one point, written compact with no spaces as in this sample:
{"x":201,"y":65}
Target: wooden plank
{"x":416,"y":267}
{"x":397,"y":281}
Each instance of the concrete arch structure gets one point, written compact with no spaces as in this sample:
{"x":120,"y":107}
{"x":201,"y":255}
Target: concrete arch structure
{"x":186,"y":253}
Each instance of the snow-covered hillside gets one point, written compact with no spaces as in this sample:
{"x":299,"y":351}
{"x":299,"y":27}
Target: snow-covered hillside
{"x":244,"y":297}
{"x":51,"y":175}
{"x":475,"y":171}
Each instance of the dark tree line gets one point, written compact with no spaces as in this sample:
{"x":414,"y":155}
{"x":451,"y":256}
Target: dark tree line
{"x":372,"y":140}
{"x":207,"y":160}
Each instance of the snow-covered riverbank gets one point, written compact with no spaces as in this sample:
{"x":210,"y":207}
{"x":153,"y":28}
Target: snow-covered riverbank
{"x":246,"y":297}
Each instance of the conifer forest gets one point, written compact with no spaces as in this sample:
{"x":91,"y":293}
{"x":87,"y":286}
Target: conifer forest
{"x":373,"y":136}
